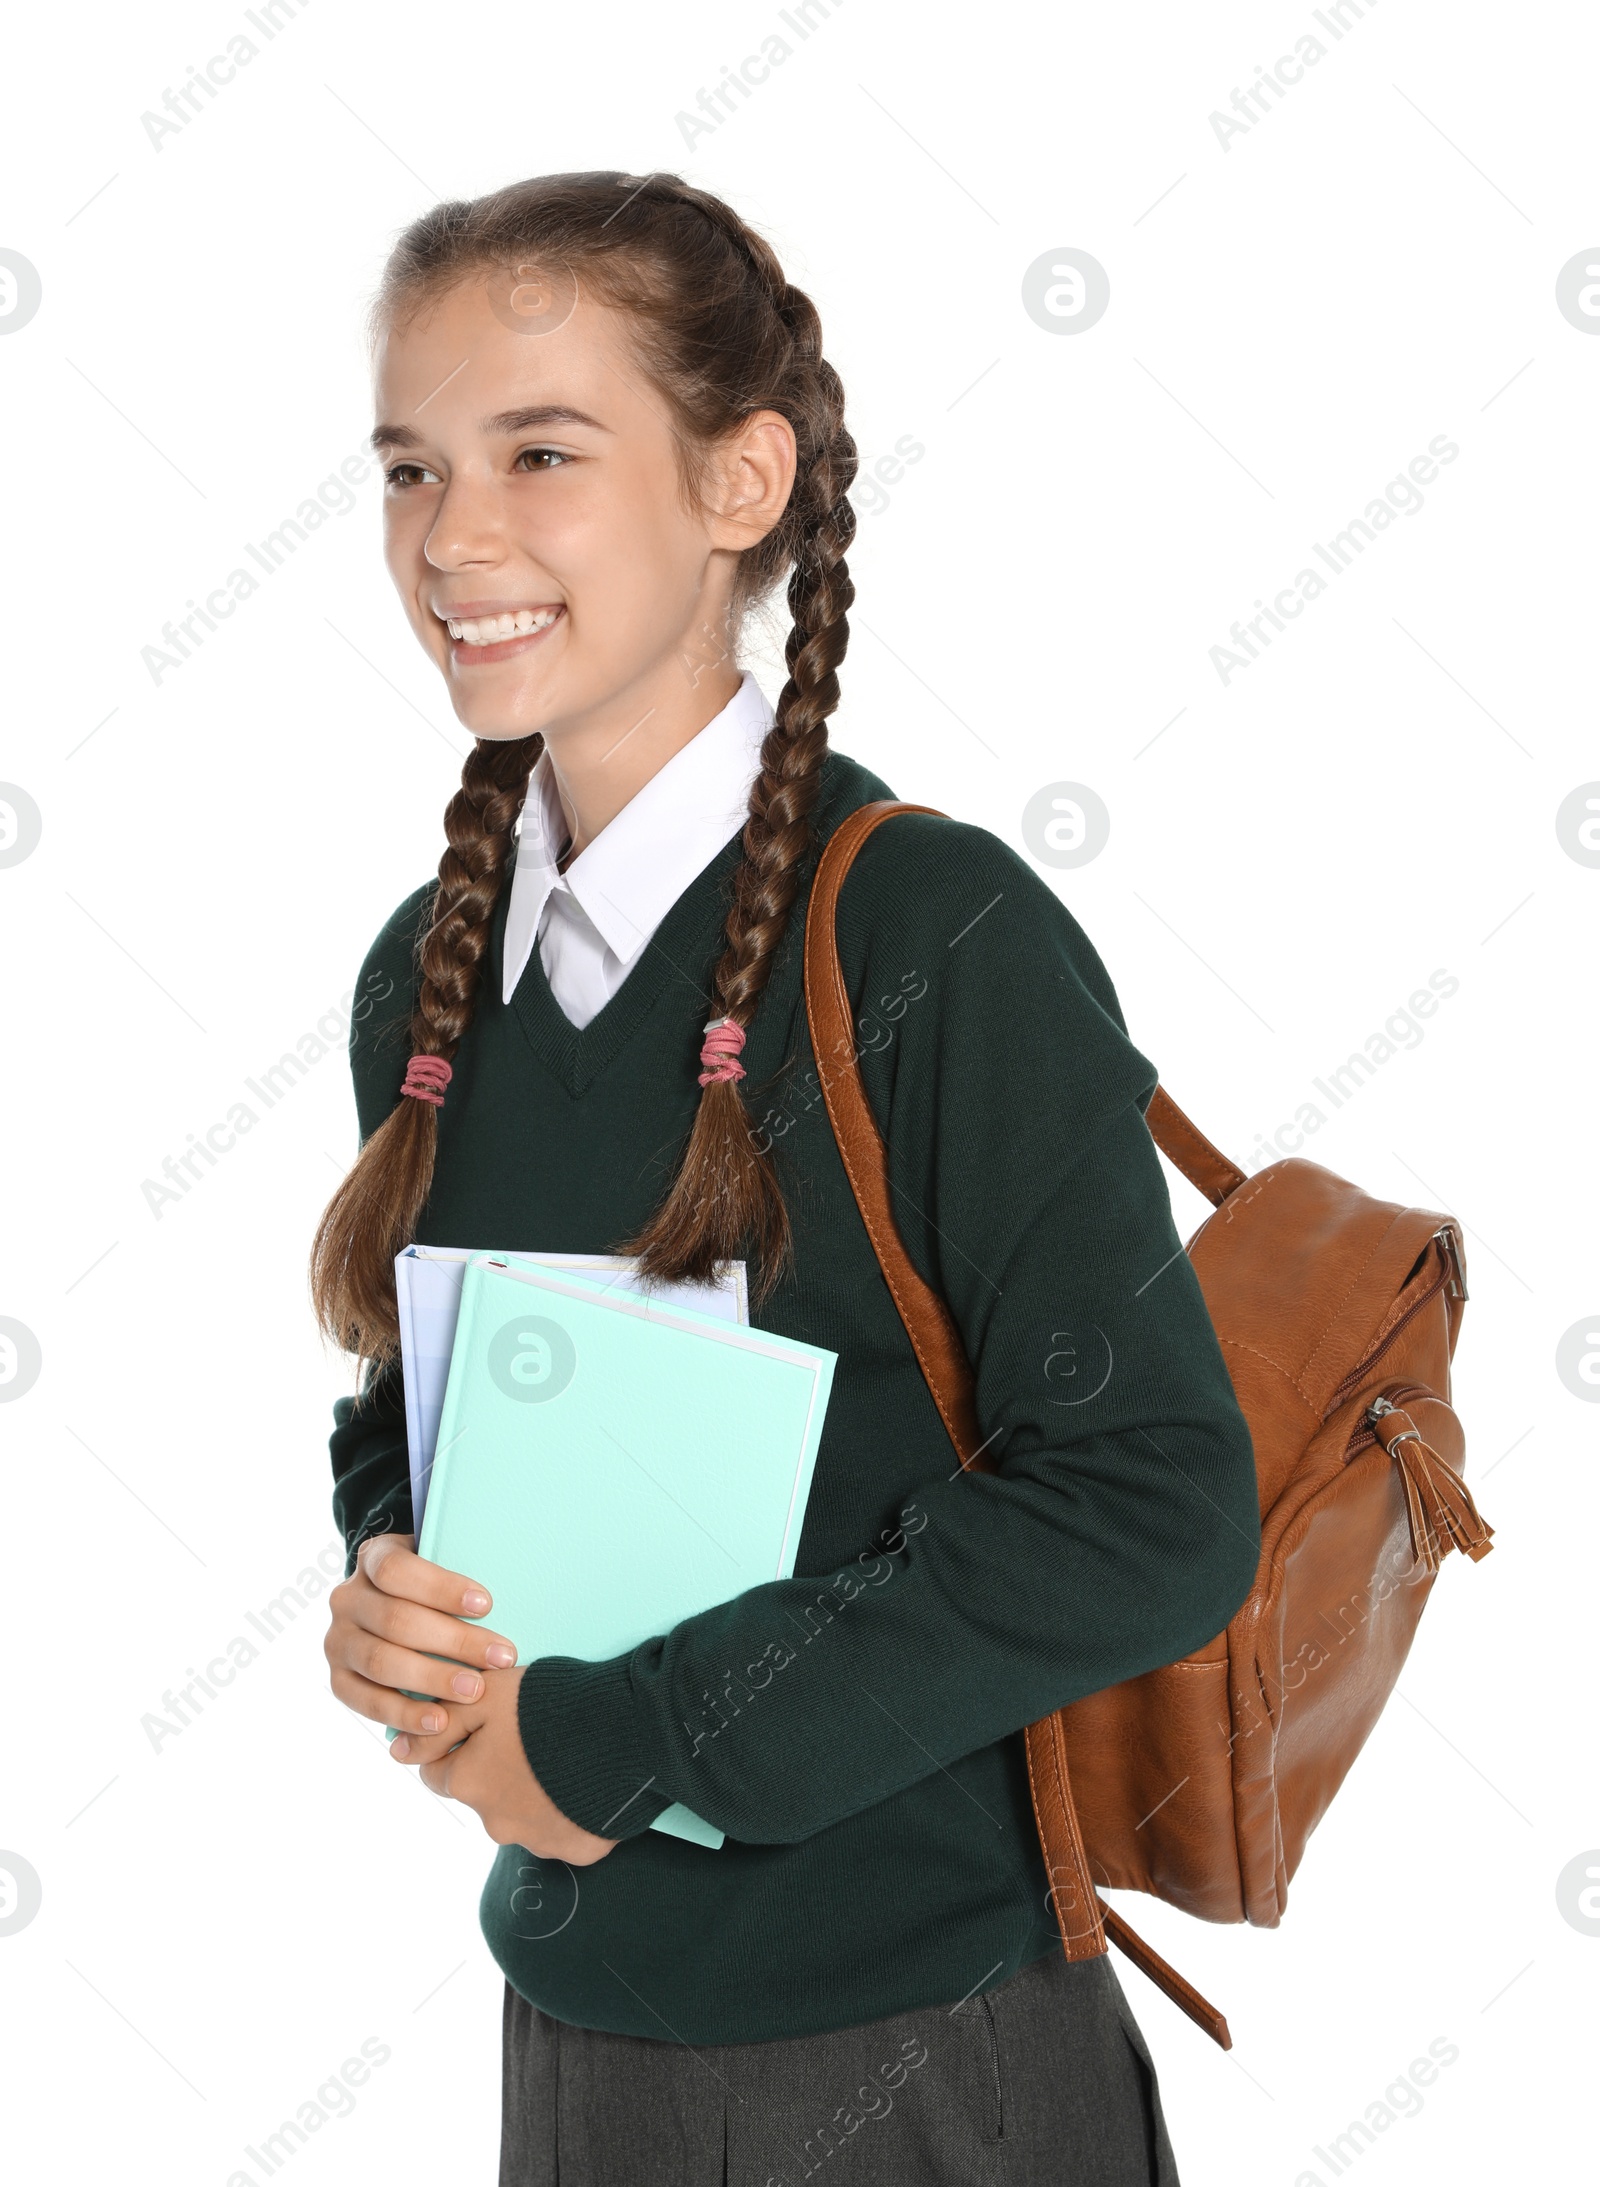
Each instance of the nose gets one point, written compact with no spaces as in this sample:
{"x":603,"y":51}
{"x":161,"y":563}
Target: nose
{"x":467,"y":530}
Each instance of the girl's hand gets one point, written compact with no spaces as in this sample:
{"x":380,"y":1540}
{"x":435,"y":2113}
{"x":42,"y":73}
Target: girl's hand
{"x":490,"y":1773}
{"x":391,"y":1619}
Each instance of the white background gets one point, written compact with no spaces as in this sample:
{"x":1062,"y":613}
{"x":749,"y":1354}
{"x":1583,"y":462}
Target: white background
{"x":1293,"y":318}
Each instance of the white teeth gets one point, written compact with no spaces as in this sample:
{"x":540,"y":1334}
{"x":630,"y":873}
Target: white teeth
{"x":495,"y":629}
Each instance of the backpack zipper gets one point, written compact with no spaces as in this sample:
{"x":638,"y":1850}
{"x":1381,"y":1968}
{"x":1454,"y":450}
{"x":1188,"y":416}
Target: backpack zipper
{"x":1457,"y":1272}
{"x":1449,"y":1270}
{"x":1367,"y":1433}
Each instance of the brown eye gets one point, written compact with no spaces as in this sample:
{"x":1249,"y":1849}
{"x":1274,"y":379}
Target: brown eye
{"x":529,"y":456}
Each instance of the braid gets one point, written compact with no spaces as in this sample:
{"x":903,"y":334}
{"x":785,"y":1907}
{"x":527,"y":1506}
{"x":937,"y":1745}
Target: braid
{"x":725,"y":1185}
{"x":777,"y":834}
{"x":477,"y":823}
{"x":374,"y":1214}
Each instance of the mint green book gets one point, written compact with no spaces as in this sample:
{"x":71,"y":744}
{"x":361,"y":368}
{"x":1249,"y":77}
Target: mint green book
{"x":608,"y":1465}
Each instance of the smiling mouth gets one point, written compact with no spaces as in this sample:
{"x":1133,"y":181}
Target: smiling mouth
{"x":476,"y":632}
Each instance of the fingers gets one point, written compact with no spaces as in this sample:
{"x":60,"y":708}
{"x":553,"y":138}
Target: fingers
{"x":400,"y":1645}
{"x":385,"y":1706}
{"x":394,"y":1567}
{"x":453,"y":1764}
{"x":391,"y":1613}
{"x":420,"y":1746}
{"x":436,"y":1772}
{"x":397,"y":1644}
{"x":400,"y":1627}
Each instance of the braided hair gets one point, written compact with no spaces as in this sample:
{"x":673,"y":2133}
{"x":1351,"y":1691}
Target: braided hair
{"x":722,"y":334}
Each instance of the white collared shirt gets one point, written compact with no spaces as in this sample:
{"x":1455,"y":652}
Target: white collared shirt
{"x":595,"y":920}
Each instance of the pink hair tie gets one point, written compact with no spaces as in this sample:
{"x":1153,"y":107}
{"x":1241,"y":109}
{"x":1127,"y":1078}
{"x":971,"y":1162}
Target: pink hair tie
{"x":427,"y":1078}
{"x":720,"y":1050}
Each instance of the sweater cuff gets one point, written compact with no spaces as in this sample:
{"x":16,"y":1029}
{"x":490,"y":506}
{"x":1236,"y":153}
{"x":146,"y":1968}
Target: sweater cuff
{"x":580,"y":1732}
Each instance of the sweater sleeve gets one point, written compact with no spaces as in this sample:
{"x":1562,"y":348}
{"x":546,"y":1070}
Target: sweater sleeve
{"x":1120,"y":1529}
{"x":371,"y":1469}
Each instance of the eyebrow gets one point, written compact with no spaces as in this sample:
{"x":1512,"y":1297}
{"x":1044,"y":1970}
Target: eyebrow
{"x":503,"y":422}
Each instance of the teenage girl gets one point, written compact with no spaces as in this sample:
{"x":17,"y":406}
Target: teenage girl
{"x":609,"y":432}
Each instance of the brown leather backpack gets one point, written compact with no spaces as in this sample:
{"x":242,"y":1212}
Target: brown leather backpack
{"x":1338,"y":1316}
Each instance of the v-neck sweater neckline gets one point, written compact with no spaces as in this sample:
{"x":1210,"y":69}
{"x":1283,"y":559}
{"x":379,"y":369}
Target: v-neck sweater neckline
{"x":577,"y":1055}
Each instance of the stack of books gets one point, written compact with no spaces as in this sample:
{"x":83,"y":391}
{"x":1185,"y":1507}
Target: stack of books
{"x":607,"y":1458}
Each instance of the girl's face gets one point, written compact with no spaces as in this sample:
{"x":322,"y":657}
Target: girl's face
{"x":535,"y":524}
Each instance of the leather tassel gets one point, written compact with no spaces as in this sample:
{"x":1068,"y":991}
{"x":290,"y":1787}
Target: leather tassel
{"x":1453,"y":1507}
{"x":1424,"y":1540}
{"x":1438,"y":1502}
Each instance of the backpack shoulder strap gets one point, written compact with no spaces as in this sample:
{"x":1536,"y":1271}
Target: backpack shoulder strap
{"x":933,"y":1333}
{"x":1187,"y":1148}
{"x":1084,"y":1918}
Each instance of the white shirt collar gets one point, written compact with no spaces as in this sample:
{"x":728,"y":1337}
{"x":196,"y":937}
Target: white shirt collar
{"x":630,"y":876}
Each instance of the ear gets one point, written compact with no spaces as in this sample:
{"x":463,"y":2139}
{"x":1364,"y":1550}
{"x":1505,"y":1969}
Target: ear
{"x":752,"y":477}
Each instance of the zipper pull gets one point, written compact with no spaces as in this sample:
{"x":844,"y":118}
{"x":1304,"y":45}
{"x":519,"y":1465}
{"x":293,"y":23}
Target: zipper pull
{"x":1376,"y":1411}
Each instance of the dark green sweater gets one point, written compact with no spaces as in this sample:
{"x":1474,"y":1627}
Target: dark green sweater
{"x":856,"y":1729}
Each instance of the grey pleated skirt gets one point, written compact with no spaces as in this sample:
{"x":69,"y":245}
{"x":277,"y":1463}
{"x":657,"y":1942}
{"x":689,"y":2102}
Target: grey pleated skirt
{"x":1046,"y":2078}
